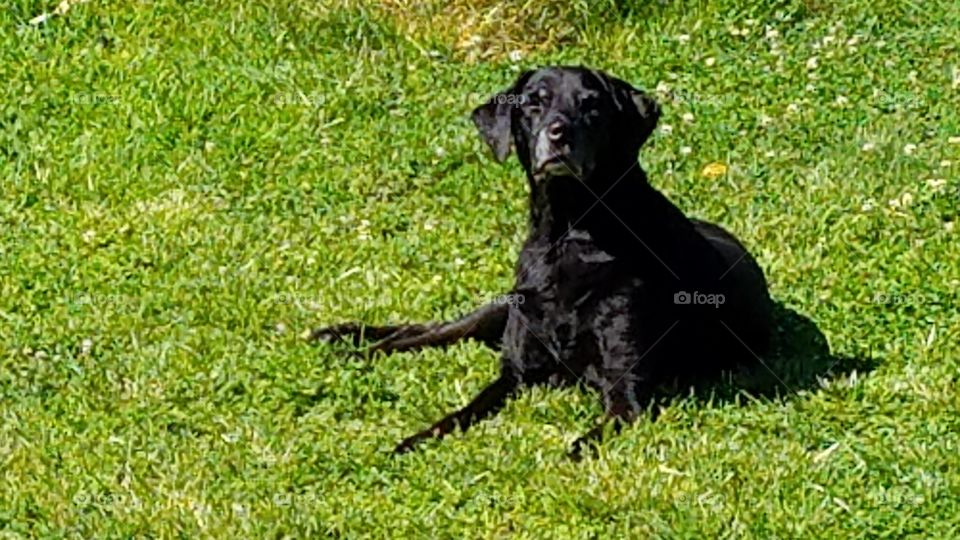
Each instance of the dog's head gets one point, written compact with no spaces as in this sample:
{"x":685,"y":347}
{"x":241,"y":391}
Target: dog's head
{"x":566,"y":121}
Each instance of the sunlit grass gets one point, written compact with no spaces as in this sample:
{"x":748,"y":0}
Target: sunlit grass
{"x":186,"y":186}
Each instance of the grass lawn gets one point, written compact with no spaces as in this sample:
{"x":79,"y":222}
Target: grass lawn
{"x":187,"y":186}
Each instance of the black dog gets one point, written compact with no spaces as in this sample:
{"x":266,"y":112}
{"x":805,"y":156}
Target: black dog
{"x":620,"y":290}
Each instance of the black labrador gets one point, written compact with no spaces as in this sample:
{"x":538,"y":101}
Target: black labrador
{"x":620,"y":290}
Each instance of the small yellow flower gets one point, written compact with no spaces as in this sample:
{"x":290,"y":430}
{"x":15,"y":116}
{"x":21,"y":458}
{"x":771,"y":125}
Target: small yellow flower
{"x":714,"y":170}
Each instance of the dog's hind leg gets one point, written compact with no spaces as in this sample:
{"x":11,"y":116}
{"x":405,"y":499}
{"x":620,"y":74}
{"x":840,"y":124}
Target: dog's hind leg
{"x":486,"y":325}
{"x":487,"y":403}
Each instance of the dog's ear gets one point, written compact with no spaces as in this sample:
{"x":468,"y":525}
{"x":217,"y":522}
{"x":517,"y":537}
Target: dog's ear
{"x":642,"y":110}
{"x":493,"y":118}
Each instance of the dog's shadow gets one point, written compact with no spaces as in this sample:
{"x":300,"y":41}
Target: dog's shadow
{"x":799,"y":359}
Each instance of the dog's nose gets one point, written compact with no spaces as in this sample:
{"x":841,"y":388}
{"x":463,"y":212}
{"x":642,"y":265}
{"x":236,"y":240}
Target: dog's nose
{"x":555,"y":130}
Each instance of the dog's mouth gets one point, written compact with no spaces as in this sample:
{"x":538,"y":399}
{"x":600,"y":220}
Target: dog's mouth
{"x":556,"y":166}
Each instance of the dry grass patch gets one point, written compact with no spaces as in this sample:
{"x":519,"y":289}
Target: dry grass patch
{"x":478,"y":30}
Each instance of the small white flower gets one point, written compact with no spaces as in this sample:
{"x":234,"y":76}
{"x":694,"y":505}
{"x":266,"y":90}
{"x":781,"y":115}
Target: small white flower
{"x":772,"y":33}
{"x":770,"y":154}
{"x":842,"y":100}
{"x":894,"y":203}
{"x":280,"y":328}
{"x":86,"y":346}
{"x":686,"y":150}
{"x":793,"y":108}
{"x":428,"y":225}
{"x":868,"y":147}
{"x":688,"y":117}
{"x":710,"y":61}
{"x":906,"y":199}
{"x":663,"y":88}
{"x":812,"y":62}
{"x":364,"y":223}
{"x":666,"y":129}
{"x":945,"y":163}
{"x":683,"y":38}
{"x":765,"y":120}
{"x":852,"y":42}
{"x":89,"y":235}
{"x":828,"y":40}
{"x":459,"y":262}
{"x":948,"y":226}
{"x":936,"y":183}
{"x":909,"y":148}
{"x":516,"y":55}
{"x":867,"y":206}
{"x":880,"y":44}
{"x":440,"y":151}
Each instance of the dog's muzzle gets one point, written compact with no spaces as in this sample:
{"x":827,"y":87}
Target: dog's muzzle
{"x":552,"y":153}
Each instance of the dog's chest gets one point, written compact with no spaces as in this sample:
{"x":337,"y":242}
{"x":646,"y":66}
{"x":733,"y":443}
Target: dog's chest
{"x":560,"y":286}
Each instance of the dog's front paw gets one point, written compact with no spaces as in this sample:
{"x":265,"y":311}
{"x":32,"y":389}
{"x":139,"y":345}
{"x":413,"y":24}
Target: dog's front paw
{"x":585,"y":446}
{"x":347,"y":332}
{"x":410,"y":443}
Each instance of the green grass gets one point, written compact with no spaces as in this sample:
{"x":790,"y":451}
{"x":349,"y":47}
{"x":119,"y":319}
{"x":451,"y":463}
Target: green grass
{"x":186,"y":186}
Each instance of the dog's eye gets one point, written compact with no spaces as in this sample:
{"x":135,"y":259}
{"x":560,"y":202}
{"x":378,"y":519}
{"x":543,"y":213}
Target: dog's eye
{"x":589,"y":102}
{"x":534,"y":101}
{"x":539,"y":96}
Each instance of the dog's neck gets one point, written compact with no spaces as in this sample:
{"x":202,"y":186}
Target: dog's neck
{"x":560,"y":204}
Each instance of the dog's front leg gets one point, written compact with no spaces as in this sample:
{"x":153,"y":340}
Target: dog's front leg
{"x":620,"y":410}
{"x":487,"y":403}
{"x":486,"y":325}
